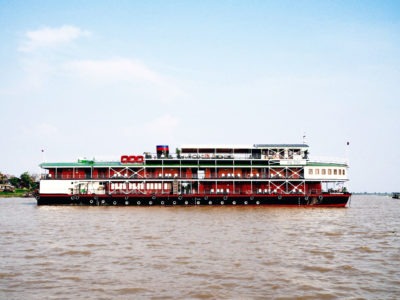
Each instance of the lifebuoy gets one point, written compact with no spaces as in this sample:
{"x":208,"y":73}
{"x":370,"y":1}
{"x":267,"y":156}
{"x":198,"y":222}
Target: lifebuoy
{"x":150,"y":202}
{"x":126,"y":202}
{"x":198,"y":202}
{"x":76,"y":197}
{"x":138,"y":203}
{"x":162,"y":203}
{"x":251,"y":197}
{"x":174,"y":202}
{"x":245,"y":202}
{"x":103,"y":201}
{"x":320,"y":197}
{"x":179,"y":197}
{"x":91,"y":201}
{"x":258,"y":202}
{"x":222,"y":202}
{"x":205,"y":197}
{"x":153,"y":197}
{"x":72,"y":198}
{"x":234,"y":202}
{"x":306,"y":198}
{"x":37,"y":197}
{"x":209,"y":202}
{"x":132,"y":159}
{"x":115,"y":202}
{"x":225,"y":197}
{"x":186,"y":203}
{"x":279,"y":197}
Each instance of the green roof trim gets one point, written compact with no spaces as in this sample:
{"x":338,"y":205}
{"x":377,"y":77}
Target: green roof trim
{"x":84,"y":164}
{"x":281,"y":146}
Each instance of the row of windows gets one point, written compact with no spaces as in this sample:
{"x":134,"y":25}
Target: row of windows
{"x":326,"y":171}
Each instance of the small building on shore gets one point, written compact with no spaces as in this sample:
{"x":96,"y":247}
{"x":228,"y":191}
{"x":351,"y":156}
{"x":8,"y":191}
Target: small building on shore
{"x":6,"y":187}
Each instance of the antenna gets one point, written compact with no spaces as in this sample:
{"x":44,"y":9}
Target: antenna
{"x":304,"y":137}
{"x":347,"y":151}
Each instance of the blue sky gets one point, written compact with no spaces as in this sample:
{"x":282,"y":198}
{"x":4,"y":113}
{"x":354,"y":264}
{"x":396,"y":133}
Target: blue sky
{"x":105,"y":78}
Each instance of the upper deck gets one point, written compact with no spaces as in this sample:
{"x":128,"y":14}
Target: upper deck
{"x":257,"y":151}
{"x":210,"y":155}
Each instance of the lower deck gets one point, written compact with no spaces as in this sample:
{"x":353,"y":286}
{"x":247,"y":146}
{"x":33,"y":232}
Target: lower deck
{"x":320,"y":200}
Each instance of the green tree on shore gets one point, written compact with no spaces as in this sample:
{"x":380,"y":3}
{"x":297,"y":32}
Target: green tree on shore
{"x":14,"y":181}
{"x":25,"y":181}
{"x":3,"y":178}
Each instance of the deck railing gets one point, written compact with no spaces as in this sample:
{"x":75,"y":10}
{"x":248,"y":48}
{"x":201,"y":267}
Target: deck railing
{"x":205,"y":192}
{"x":223,"y":177}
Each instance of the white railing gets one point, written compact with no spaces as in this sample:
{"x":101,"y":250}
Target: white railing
{"x":325,"y":159}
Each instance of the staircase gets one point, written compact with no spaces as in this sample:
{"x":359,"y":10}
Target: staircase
{"x":175,"y":187}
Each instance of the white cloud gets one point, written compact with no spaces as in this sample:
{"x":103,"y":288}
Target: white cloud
{"x":121,"y":70}
{"x":114,"y":70}
{"x":39,"y":66}
{"x":51,"y":37}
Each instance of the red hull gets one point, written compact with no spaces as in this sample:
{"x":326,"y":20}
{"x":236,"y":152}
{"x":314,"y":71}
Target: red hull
{"x":313,"y":200}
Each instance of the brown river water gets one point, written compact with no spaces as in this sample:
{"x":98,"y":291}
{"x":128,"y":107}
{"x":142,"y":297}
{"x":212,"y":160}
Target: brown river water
{"x":69,"y":252}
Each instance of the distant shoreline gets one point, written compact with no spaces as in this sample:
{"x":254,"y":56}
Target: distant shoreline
{"x":19,"y":193}
{"x":376,"y":193}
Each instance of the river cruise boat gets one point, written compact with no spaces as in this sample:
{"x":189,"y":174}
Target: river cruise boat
{"x":256,"y":175}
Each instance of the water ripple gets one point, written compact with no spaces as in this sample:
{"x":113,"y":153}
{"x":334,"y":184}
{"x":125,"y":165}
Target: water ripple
{"x":200,"y":253}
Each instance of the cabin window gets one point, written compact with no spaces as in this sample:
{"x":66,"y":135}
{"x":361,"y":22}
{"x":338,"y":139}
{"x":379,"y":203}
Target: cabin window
{"x":317,"y":171}
{"x":310,"y":171}
{"x":323,"y":171}
{"x":329,"y":171}
{"x":343,"y":172}
{"x":335,"y":172}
